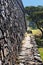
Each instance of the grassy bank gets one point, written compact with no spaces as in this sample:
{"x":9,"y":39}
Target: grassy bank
{"x":37,"y":33}
{"x":41,"y":52}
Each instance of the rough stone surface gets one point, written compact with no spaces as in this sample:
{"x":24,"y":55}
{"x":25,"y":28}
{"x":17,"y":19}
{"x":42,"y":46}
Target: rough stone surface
{"x":15,"y":48}
{"x":12,"y":29}
{"x":29,"y":54}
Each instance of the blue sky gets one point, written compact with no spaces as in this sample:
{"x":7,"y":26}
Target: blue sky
{"x":32,"y":2}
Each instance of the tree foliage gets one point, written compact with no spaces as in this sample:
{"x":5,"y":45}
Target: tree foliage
{"x":35,"y":14}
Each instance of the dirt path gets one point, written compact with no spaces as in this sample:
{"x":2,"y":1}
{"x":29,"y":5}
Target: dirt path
{"x":29,"y":54}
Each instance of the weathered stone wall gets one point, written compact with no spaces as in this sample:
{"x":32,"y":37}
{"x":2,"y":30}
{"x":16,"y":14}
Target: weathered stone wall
{"x":12,"y":29}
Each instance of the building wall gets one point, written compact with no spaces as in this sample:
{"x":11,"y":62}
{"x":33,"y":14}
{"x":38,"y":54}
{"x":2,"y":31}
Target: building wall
{"x":12,"y":29}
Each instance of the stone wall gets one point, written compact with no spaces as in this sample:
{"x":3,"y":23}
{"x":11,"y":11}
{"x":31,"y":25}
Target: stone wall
{"x":12,"y":29}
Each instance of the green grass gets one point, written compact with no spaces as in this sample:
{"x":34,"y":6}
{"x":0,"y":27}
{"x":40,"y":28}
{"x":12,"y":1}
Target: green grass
{"x":41,"y":52}
{"x":39,"y":41}
{"x":37,"y":32}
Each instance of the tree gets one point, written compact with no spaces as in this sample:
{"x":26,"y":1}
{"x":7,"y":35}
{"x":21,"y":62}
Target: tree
{"x":35,"y":14}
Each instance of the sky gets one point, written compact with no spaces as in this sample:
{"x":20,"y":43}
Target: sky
{"x":32,"y":2}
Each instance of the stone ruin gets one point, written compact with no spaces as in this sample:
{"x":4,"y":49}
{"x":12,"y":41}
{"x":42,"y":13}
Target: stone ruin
{"x":12,"y":29}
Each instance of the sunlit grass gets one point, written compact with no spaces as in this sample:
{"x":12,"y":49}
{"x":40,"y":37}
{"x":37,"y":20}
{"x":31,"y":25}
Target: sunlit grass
{"x":41,"y":52}
{"x":37,"y":32}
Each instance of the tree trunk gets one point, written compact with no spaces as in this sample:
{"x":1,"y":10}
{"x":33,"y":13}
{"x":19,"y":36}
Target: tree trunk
{"x":41,"y":31}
